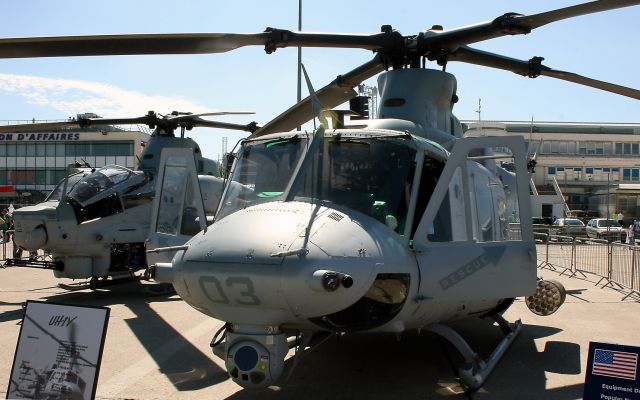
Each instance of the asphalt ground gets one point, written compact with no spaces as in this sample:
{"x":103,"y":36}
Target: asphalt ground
{"x":157,"y":347}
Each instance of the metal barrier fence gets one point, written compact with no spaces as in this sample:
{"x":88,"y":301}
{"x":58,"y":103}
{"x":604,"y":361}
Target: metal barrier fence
{"x":8,"y":249}
{"x":617,"y":264}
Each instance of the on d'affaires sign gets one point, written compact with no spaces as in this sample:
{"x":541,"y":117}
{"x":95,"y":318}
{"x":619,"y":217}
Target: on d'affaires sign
{"x":38,"y":137}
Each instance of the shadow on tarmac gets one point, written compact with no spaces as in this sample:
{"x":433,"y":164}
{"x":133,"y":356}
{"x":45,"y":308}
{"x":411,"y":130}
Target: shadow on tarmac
{"x":377,"y":366}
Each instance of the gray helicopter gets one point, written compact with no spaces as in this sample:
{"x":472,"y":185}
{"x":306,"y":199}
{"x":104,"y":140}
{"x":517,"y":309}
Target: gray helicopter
{"x":396,"y":224}
{"x":95,"y":223}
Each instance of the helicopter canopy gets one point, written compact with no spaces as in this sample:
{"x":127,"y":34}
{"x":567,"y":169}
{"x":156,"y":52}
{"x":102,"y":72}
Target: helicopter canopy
{"x":109,"y":190}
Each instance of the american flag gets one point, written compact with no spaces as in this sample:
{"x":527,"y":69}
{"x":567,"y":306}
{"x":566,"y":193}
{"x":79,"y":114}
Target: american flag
{"x":616,"y":364}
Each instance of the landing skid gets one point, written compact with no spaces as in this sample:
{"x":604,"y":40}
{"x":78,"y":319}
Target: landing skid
{"x":476,"y":370}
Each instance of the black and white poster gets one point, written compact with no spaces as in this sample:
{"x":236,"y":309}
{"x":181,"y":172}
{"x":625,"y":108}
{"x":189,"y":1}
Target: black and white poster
{"x":58,"y":352}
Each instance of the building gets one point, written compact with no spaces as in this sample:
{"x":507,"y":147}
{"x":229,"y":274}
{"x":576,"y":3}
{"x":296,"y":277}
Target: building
{"x":32,"y":163}
{"x":593,"y":167}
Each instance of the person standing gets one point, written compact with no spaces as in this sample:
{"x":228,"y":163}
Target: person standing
{"x":631,"y":234}
{"x":4,"y":224}
{"x":620,"y":217}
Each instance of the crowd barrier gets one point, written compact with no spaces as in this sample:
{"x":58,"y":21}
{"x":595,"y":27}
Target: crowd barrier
{"x":9,"y":250}
{"x":617,"y":264}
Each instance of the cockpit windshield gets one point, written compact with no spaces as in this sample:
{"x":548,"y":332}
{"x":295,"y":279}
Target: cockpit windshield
{"x":262,"y":172}
{"x":371,"y":174}
{"x":99,"y":181}
{"x":56,"y":193}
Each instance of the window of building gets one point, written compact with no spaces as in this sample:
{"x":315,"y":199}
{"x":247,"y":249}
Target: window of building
{"x":101,"y":149}
{"x":631,"y":174}
{"x":41,"y":149}
{"x":50,"y":149}
{"x":628,"y":149}
{"x":593,"y":148}
{"x":551,"y":170}
{"x":41,"y":177}
{"x":588,"y":170}
{"x":3,"y":150}
{"x":563,"y":148}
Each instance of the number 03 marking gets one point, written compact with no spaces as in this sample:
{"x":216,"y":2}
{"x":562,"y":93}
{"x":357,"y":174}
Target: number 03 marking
{"x":238,"y":288}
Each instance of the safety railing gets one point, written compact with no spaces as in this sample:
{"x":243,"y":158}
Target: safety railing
{"x":617,"y":264}
{"x":8,"y":250}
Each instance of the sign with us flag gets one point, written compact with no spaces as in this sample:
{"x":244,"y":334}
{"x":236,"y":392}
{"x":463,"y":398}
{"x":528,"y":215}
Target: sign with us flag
{"x":612,"y":372}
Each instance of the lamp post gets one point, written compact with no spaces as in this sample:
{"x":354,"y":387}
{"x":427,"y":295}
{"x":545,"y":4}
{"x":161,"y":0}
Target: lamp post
{"x":299,"y":97}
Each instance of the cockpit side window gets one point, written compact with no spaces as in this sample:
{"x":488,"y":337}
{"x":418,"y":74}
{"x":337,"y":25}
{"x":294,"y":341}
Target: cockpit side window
{"x":431,"y":171}
{"x":474,"y":202}
{"x":173,"y":192}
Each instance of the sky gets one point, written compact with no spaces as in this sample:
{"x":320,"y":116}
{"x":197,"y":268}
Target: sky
{"x":602,"y":46}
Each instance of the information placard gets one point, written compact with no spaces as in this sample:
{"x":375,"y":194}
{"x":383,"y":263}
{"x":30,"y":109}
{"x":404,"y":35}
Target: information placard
{"x":58,"y":352}
{"x":612,"y":372}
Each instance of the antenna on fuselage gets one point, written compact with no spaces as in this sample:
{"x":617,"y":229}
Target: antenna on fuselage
{"x":315,"y":101}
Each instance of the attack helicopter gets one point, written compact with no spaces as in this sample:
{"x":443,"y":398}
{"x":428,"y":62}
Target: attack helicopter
{"x":400,"y":224}
{"x":95,"y":223}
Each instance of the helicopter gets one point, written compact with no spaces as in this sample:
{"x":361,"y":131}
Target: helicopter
{"x":111,"y":204}
{"x":396,"y":224}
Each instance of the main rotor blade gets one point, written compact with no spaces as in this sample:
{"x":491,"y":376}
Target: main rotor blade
{"x":332,"y":95}
{"x":103,"y":45}
{"x":538,"y":20}
{"x":185,"y":43}
{"x":534,"y":68}
{"x":223,"y":113}
{"x":511,"y":24}
{"x":38,"y":127}
{"x":192,"y":121}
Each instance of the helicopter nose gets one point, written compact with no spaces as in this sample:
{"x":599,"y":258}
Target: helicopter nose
{"x":29,"y":224}
{"x":33,"y":239}
{"x":280,"y":262}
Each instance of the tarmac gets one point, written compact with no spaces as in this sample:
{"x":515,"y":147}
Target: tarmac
{"x":157,"y":347}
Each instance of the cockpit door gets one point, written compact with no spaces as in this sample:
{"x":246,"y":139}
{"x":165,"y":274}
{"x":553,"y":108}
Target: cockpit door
{"x":178,"y":210}
{"x":466,"y":246}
